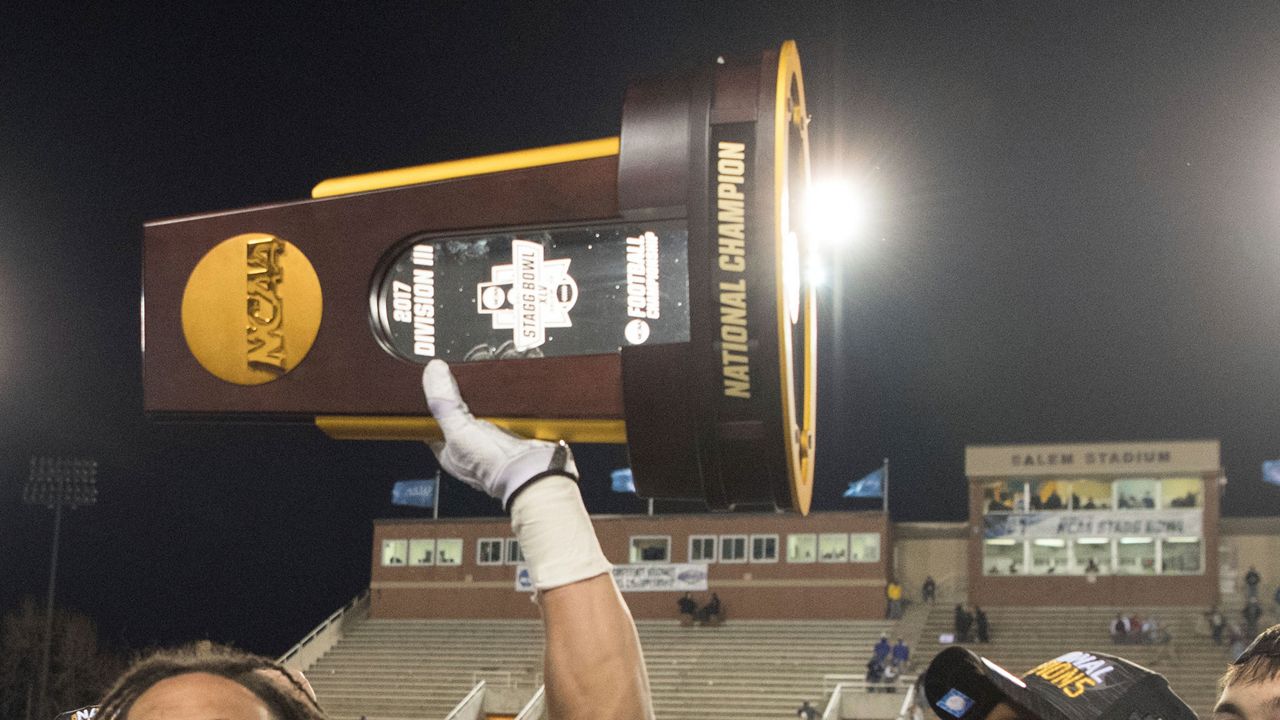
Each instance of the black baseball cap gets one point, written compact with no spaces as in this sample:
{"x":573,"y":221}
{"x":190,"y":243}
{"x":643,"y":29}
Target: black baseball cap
{"x":961,"y":685}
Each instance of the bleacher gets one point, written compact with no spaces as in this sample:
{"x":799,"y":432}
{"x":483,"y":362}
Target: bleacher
{"x":421,"y":669}
{"x":1023,"y":637}
{"x":741,"y":670}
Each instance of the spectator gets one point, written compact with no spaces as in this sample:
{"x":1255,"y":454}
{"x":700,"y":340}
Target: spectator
{"x":710,"y":613}
{"x":875,"y":671}
{"x":890,"y":678}
{"x":900,"y":654}
{"x":928,"y":592}
{"x":1251,"y":612}
{"x":1235,"y":640}
{"x":1251,"y":581}
{"x":688,"y":608}
{"x":963,"y":624}
{"x":1134,"y":629}
{"x":1117,"y":629}
{"x":893,"y":591}
{"x":880,"y":653}
{"x":1217,"y":623}
{"x":807,"y":712}
{"x":984,"y":630}
{"x":1154,"y":632}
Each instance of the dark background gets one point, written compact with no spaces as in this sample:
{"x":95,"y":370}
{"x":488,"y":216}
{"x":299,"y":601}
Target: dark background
{"x":1076,"y":237}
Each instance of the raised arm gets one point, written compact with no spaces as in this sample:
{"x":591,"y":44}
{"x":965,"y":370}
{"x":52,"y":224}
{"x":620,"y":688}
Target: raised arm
{"x":594,"y":667}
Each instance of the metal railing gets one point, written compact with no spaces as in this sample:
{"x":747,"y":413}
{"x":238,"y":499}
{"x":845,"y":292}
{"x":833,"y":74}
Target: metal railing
{"x":506,"y":678}
{"x":328,"y":625}
{"x":858,"y":683}
{"x":853,"y":683}
{"x":832,"y":711}
{"x":470,"y":707}
{"x":536,"y":708}
{"x":909,"y":704}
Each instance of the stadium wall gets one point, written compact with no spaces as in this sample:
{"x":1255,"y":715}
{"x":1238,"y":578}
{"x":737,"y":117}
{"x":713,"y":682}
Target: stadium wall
{"x":748,"y":588}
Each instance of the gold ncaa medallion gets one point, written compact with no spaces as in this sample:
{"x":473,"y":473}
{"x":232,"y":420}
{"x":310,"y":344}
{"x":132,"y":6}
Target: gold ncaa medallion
{"x":251,"y":309}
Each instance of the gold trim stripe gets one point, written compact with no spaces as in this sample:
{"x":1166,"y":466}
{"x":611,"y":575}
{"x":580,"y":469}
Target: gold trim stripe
{"x":482,"y":165}
{"x":410,"y":427}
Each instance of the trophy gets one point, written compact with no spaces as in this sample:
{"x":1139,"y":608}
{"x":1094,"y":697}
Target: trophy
{"x":642,"y":289}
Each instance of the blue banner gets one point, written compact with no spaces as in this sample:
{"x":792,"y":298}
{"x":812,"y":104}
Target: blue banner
{"x":419,"y":493}
{"x":623,"y":482}
{"x":870,"y":486}
{"x":1271,"y":472}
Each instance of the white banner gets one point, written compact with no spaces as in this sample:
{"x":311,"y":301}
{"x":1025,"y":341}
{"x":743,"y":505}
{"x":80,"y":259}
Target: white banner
{"x":1095,"y":523}
{"x":643,"y":577}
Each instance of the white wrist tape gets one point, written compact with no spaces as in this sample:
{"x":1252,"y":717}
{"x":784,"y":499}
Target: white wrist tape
{"x":555,"y":533}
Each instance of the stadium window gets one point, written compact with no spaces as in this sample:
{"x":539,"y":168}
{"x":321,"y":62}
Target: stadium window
{"x":833,"y":547}
{"x":764,"y":548}
{"x":422,"y":551}
{"x":1002,"y":496}
{"x":489,"y":551}
{"x":864,"y":547}
{"x":802,"y":548}
{"x":395,"y":552}
{"x":1096,"y":549}
{"x":1136,"y":556}
{"x":702,"y":548}
{"x":650,"y":548}
{"x":1182,"y":556}
{"x":1136,"y":494}
{"x":1090,"y":495}
{"x":1002,"y":556}
{"x":1049,"y":495}
{"x":449,"y":551}
{"x":1180,"y":493}
{"x":515,"y":555}
{"x":1048,"y":556}
{"x":733,"y":548}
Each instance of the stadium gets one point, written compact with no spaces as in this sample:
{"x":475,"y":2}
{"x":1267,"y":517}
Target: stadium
{"x":804,"y":598}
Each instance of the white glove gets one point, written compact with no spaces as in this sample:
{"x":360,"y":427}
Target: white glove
{"x":481,"y":454}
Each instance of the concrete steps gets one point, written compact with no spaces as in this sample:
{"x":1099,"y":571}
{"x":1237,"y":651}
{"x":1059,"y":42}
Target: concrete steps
{"x":742,"y":670}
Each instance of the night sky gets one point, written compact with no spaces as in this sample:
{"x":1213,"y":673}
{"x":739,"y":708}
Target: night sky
{"x":1075,"y":237}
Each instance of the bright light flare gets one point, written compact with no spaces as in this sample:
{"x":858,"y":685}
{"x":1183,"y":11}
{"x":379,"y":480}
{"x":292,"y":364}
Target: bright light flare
{"x":837,"y":211}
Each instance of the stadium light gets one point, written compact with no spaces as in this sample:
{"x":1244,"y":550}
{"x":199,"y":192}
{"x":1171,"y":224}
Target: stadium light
{"x":55,"y":483}
{"x":837,"y":211}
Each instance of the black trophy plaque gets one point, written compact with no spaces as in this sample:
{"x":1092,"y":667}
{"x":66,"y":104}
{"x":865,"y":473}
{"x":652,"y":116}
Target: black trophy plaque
{"x":641,"y":289}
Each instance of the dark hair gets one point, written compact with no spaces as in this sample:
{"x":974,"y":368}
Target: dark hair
{"x":1260,"y":662}
{"x":286,"y":701}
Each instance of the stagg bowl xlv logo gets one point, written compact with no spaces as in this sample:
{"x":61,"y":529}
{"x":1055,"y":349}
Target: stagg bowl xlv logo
{"x":529,"y":295}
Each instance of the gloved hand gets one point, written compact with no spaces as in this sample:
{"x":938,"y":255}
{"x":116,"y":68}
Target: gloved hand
{"x":481,"y":454}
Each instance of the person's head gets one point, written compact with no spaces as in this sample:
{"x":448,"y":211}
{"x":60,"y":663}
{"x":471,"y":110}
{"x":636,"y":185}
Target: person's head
{"x":1251,"y":686}
{"x":207,"y":680}
{"x":961,"y":685}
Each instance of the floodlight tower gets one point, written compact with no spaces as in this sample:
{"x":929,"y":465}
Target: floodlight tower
{"x":56,"y":482}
